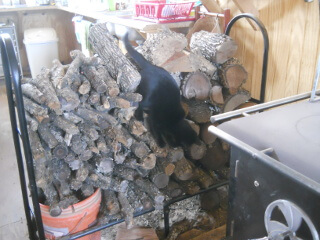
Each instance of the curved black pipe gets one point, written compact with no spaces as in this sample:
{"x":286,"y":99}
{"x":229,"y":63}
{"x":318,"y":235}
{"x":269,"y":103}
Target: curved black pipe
{"x":12,"y":76}
{"x":265,"y":51}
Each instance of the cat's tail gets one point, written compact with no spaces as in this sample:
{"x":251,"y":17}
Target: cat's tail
{"x":137,"y":57}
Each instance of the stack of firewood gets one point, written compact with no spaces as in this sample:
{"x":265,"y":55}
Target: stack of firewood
{"x":84,"y":136}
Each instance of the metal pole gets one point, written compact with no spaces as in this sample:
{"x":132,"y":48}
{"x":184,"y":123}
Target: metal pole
{"x":265,"y":51}
{"x":11,"y":68}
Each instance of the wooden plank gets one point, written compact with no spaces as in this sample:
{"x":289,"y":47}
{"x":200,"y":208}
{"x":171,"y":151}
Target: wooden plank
{"x":310,"y":38}
{"x":212,"y":6}
{"x":215,"y":234}
{"x":135,"y":233}
{"x":292,"y":57}
{"x":246,"y":6}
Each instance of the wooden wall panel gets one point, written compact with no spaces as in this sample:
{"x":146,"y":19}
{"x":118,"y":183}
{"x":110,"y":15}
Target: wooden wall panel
{"x":293,"y":28}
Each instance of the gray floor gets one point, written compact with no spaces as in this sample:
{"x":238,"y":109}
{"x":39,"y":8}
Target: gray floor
{"x":12,"y":221}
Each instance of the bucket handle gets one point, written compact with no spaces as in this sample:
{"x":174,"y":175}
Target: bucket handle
{"x":78,"y":224}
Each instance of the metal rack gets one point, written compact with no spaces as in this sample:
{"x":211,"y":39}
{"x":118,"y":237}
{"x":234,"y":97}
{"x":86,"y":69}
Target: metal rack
{"x":10,"y":29}
{"x":19,"y":129}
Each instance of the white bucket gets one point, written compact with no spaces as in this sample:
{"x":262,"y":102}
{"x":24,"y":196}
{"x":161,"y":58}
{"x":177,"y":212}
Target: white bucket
{"x":42,"y":48}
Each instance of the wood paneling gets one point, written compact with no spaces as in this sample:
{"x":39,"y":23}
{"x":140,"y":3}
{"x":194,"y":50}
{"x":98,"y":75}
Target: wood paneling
{"x":293,"y":28}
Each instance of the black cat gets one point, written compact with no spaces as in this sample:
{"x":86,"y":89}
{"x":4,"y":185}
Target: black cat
{"x":161,"y":103}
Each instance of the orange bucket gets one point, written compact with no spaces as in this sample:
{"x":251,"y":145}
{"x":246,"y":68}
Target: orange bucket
{"x":73,"y":219}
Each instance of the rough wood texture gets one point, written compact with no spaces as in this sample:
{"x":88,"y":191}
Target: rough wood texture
{"x":33,"y":92}
{"x":118,"y":66}
{"x":196,"y":85}
{"x":184,"y":170}
{"x":215,"y":47}
{"x":199,"y":111}
{"x":141,"y":233}
{"x":161,"y":46}
{"x":233,"y":75}
{"x":196,"y":151}
{"x":234,"y":101}
{"x":215,"y":157}
{"x":216,"y":95}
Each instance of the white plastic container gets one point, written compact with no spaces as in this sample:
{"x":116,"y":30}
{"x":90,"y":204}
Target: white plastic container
{"x":42,"y":48}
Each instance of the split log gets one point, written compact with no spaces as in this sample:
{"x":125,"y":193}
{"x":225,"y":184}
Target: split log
{"x":31,"y":91}
{"x":136,"y":127}
{"x":203,"y":178}
{"x":68,"y":98}
{"x":72,"y":117}
{"x":73,"y":72}
{"x":112,"y":86}
{"x":134,"y":200}
{"x":145,"y":200}
{"x":96,"y":79}
{"x":39,"y":112}
{"x":57,"y":73}
{"x":52,"y":199}
{"x":102,"y":145}
{"x":60,"y":151}
{"x":234,"y":101}
{"x":206,"y":23}
{"x":196,"y":85}
{"x":78,"y":146}
{"x":46,"y":135}
{"x":148,"y":187}
{"x":178,"y":228}
{"x":175,"y":154}
{"x":89,"y":131}
{"x":125,"y":172}
{"x":210,"y":200}
{"x":111,"y":202}
{"x":215,"y":157}
{"x":161,"y":46}
{"x":199,"y":111}
{"x":94,"y":117}
{"x":140,"y":149}
{"x":148,"y":138}
{"x":205,"y":135}
{"x":126,"y":209}
{"x":65,"y":125}
{"x":86,"y":155}
{"x":104,"y":165}
{"x":118,"y":102}
{"x":85,"y":87}
{"x":94,"y":98}
{"x":43,"y":83}
{"x":87,"y":190}
{"x":118,"y":66}
{"x":159,"y":177}
{"x":38,"y":153}
{"x":215,"y":47}
{"x":200,"y":63}
{"x":32,"y":123}
{"x":216,"y":95}
{"x":232,"y":75}
{"x":196,"y":151}
{"x":190,"y":187}
{"x":166,"y":165}
{"x":184,"y":170}
{"x":173,"y":189}
{"x":179,"y":62}
{"x":148,"y":162}
{"x":124,"y":115}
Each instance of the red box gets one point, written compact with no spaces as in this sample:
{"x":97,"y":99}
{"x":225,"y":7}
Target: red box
{"x":163,"y":12}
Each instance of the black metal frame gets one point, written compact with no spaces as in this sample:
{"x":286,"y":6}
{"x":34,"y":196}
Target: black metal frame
{"x":34,"y":220}
{"x":265,"y":50}
{"x":19,"y":129}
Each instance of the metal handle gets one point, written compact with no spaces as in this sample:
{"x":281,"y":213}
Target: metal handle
{"x":265,"y":51}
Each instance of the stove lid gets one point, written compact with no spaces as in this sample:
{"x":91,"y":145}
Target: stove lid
{"x":293,"y":131}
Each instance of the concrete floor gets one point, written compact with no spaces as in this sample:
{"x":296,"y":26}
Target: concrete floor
{"x":12,"y":222}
